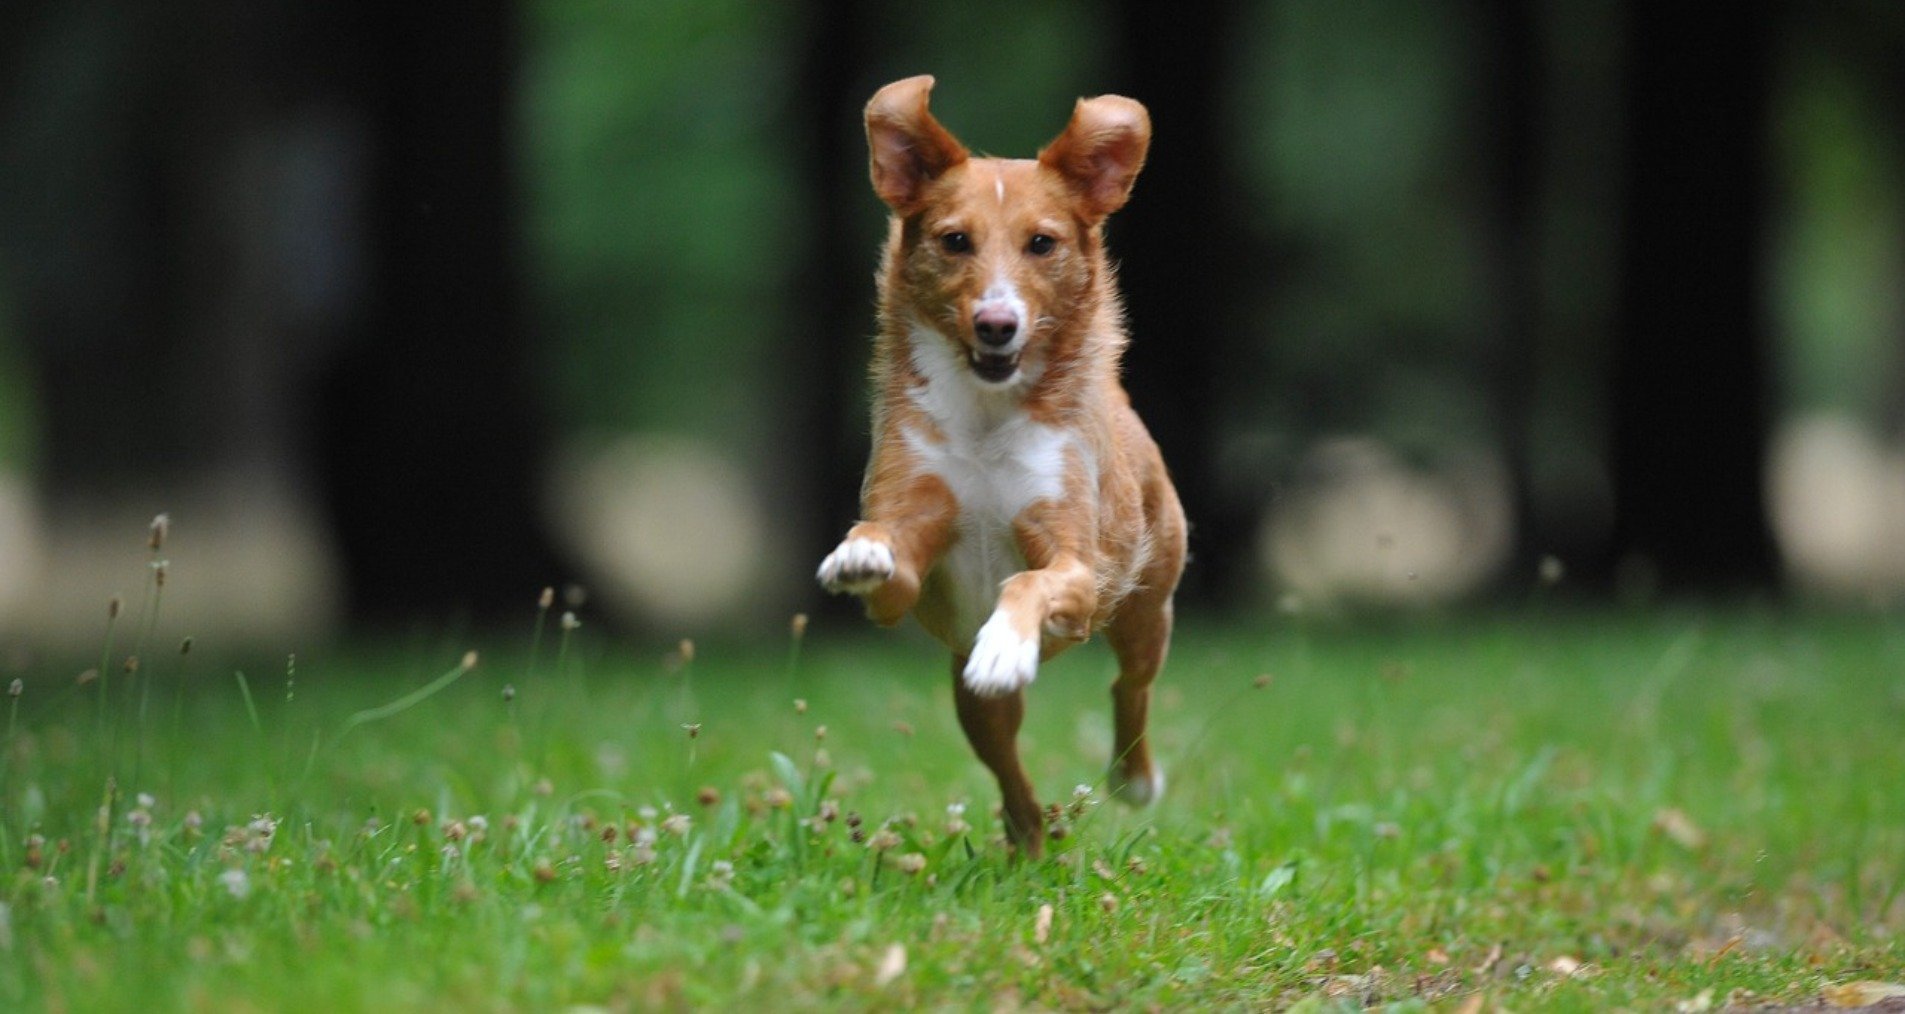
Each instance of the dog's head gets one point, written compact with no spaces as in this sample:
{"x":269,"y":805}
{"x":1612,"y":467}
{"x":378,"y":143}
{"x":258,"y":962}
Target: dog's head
{"x":994,"y":253}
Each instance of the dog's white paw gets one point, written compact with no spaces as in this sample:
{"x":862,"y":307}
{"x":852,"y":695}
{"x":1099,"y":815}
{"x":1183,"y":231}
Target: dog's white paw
{"x":1001,"y":660}
{"x":1137,"y":792}
{"x":856,"y":567}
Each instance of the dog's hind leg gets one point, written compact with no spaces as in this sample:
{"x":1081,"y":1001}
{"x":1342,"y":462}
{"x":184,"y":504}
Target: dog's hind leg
{"x":992,"y":724}
{"x":1140,"y":636}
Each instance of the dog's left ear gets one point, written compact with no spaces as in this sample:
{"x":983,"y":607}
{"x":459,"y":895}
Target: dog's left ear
{"x":1101,"y":151}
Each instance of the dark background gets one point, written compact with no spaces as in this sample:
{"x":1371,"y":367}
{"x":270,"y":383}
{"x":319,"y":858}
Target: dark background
{"x":405,"y":311}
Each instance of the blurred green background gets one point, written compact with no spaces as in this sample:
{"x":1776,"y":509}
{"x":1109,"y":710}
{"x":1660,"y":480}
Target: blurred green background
{"x":406,"y":313}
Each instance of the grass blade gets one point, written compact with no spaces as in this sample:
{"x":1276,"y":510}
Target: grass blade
{"x":409,"y":700}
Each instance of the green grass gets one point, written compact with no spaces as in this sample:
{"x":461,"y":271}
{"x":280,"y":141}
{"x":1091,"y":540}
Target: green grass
{"x":1574,"y":812}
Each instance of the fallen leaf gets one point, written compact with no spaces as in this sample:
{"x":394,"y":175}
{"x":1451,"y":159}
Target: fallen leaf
{"x":892,"y":965}
{"x":1494,"y":955}
{"x":1437,"y":956}
{"x":1701,"y":1001}
{"x":1348,"y":985}
{"x":1725,"y":948}
{"x":1565,"y":965}
{"x":1042,"y":926}
{"x":1862,"y":994}
{"x":1675,"y":824}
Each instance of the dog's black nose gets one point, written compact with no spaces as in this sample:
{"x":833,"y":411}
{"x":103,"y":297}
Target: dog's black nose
{"x":995,"y":326}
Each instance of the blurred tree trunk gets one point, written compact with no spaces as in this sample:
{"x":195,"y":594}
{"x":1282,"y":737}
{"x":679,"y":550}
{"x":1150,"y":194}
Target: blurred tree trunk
{"x":1510,"y":92}
{"x":829,"y":338}
{"x":184,"y":244}
{"x":95,"y":260}
{"x":1885,"y":40}
{"x":1689,"y":399}
{"x":1181,"y":258}
{"x":224,"y":196}
{"x":431,"y":442}
{"x":1869,"y":36}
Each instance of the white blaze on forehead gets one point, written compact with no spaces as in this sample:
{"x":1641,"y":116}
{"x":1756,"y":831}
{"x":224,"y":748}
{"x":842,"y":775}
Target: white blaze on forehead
{"x":1001,"y":292}
{"x":998,"y":186}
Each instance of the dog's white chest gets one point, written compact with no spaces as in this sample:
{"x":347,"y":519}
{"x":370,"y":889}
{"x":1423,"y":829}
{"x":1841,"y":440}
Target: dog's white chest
{"x":993,"y":479}
{"x":996,"y":461}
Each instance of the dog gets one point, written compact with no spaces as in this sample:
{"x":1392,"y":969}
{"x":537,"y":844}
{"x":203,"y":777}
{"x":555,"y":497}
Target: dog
{"x":1013,"y":503}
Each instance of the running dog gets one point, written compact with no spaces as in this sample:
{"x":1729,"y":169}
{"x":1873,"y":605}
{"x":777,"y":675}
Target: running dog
{"x":1014,"y":503}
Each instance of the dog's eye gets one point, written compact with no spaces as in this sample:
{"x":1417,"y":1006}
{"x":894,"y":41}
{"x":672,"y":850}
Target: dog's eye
{"x":956,"y":243}
{"x":1040,"y":245}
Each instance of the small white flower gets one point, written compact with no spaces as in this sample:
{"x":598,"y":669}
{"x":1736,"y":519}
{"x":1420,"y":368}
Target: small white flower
{"x":259,"y":833}
{"x":146,"y":801}
{"x":141,"y":821}
{"x":235,"y":882}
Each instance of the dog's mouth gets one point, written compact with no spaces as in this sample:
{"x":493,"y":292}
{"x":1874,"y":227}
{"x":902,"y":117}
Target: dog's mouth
{"x":993,"y":367}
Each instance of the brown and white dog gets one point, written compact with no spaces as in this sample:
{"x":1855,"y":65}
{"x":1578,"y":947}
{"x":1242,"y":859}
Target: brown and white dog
{"x":1014,"y":503}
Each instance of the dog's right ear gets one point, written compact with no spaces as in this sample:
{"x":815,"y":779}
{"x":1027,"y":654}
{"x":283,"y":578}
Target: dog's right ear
{"x":908,"y":148}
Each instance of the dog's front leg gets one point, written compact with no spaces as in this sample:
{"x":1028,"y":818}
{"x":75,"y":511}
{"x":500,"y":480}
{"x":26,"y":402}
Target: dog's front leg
{"x":882,"y":559}
{"x":1052,"y":603}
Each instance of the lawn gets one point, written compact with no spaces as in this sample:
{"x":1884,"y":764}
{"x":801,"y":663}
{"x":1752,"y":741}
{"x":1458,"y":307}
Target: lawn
{"x":1546,"y":811}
